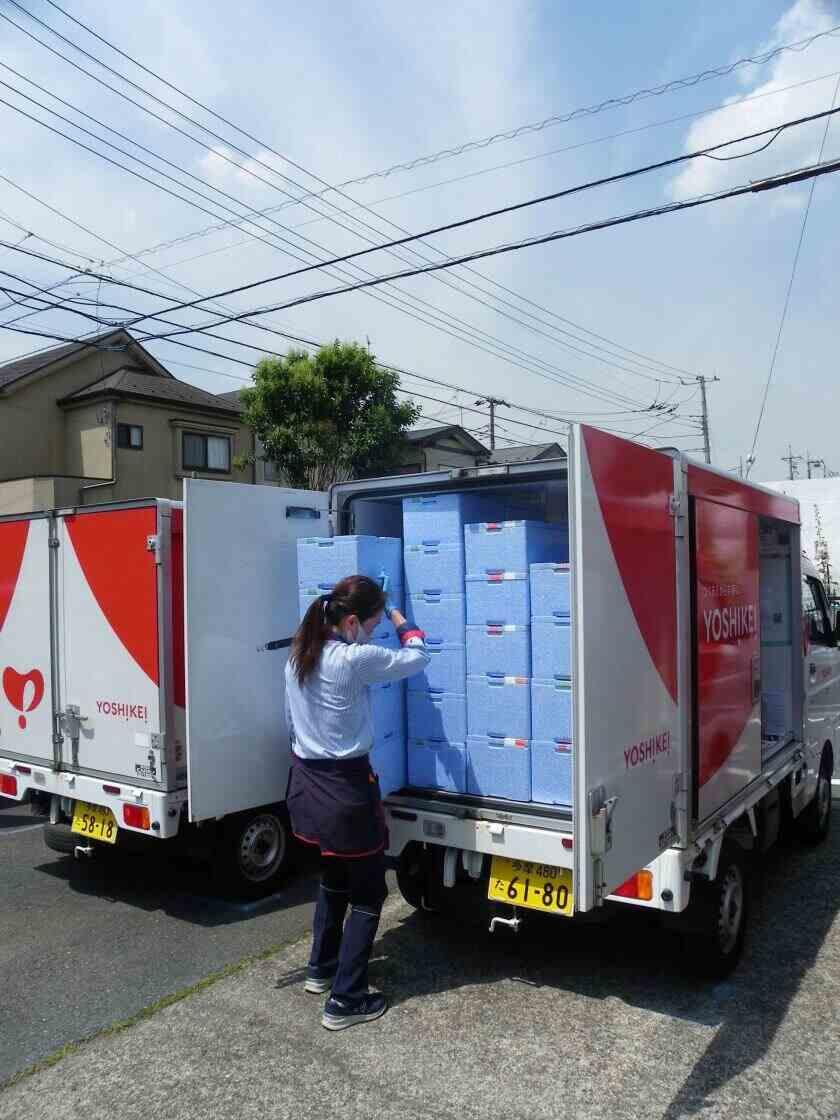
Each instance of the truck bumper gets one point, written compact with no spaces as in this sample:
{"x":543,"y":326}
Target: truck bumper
{"x":164,"y":808}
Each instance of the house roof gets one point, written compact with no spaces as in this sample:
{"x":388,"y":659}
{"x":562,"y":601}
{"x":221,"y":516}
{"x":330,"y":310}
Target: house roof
{"x":423,"y":436}
{"x":19,"y":368}
{"x":131,"y":382}
{"x":525,"y":453}
{"x":233,"y":397}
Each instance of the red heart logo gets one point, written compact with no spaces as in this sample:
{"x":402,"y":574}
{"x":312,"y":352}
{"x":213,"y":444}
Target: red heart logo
{"x":15,"y":687}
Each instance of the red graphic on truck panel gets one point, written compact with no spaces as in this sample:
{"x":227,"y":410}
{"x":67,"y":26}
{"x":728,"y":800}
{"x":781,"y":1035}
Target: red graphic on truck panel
{"x":13,"y":536}
{"x":634,"y":486}
{"x":111,"y":547}
{"x":24,"y":691}
{"x":727,"y":628}
{"x":726,"y":491}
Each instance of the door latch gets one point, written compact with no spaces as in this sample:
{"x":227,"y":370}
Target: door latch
{"x":601,"y":810}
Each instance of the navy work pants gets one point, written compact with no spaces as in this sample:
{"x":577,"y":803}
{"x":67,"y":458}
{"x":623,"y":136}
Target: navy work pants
{"x":342,"y":948}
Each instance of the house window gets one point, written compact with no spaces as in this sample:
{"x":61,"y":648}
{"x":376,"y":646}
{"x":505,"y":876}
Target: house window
{"x":206,"y":453}
{"x":131,"y":436}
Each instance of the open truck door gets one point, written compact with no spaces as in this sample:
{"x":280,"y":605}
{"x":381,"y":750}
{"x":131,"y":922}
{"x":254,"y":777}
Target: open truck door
{"x":240,"y":592}
{"x":629,"y":741}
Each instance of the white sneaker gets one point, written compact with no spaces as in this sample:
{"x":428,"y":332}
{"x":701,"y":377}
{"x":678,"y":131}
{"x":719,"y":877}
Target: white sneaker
{"x":318,"y":987}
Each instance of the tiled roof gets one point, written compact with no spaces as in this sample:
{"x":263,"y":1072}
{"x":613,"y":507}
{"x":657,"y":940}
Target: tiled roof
{"x":525,"y":453}
{"x":19,"y":367}
{"x":132,"y":382}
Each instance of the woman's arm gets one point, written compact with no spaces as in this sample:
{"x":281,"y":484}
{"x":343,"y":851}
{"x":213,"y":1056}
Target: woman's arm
{"x":373,"y":664}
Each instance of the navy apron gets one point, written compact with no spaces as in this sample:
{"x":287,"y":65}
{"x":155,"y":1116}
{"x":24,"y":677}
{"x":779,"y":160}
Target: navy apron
{"x":335,"y":805}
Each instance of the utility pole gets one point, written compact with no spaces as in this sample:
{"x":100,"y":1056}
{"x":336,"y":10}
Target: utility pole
{"x":704,"y":416}
{"x":814,"y":463}
{"x":791,"y":461}
{"x":493,"y":403}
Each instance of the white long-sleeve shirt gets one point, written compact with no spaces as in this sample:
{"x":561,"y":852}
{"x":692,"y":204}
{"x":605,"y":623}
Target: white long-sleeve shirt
{"x":330,"y":715}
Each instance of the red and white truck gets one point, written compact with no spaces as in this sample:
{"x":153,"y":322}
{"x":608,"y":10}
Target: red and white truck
{"x":142,"y":649}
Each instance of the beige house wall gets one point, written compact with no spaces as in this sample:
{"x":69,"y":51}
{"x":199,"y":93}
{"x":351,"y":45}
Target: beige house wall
{"x":32,"y":425}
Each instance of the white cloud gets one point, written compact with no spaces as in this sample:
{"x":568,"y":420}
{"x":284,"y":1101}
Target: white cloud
{"x":795,"y":147}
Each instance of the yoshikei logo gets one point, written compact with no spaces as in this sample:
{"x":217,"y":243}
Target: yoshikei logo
{"x":24,"y":691}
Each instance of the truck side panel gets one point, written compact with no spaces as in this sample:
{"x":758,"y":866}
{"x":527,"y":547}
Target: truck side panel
{"x":26,"y":696}
{"x":110,"y":643}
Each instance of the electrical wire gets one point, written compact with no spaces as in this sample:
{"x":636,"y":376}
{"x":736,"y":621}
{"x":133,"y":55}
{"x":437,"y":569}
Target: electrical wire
{"x":797,"y":46}
{"x":791,"y":279}
{"x":771,"y":183}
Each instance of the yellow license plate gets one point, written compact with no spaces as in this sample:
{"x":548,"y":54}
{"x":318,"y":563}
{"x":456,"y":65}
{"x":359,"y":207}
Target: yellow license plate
{"x":536,"y":885}
{"x":95,"y":822}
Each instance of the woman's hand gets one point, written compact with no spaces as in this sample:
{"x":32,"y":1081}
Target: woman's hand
{"x":396,"y":617}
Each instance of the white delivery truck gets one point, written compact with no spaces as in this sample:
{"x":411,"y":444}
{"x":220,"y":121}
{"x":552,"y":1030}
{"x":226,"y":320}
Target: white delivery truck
{"x":142,"y":649}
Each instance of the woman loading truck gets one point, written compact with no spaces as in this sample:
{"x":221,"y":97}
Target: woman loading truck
{"x":333,"y":798}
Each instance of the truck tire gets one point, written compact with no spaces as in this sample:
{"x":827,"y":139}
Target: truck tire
{"x":814,"y":822}
{"x":718,"y":916}
{"x":60,"y":838}
{"x":253,"y":851}
{"x":411,"y":875}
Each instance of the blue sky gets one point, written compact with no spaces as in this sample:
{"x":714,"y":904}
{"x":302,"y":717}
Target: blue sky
{"x":346,"y":90}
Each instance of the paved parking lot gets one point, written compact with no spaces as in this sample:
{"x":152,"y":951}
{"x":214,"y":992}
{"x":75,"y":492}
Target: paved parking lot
{"x":563,"y":1020}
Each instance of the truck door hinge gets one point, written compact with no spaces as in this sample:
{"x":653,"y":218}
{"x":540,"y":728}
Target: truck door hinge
{"x":153,"y":545}
{"x":601,"y":810}
{"x":54,"y":542}
{"x":674,"y":504}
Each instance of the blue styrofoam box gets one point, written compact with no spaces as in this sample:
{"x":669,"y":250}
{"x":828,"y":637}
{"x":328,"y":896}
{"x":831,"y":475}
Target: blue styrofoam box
{"x":499,"y":649}
{"x":328,"y":559}
{"x":434,"y":567}
{"x":512,"y":546}
{"x":499,"y":705}
{"x":446,"y":671}
{"x":437,"y":764}
{"x":387,"y":707}
{"x":437,"y":715}
{"x":440,"y":616}
{"x":551,"y":709}
{"x":550,"y":591}
{"x":499,"y":767}
{"x":551,"y":648}
{"x":503,"y":598}
{"x":442,"y":517}
{"x":388,"y":759}
{"x":551,"y":772}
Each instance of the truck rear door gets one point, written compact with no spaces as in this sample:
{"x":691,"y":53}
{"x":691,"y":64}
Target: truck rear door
{"x":240,"y":588}
{"x":26,"y":691}
{"x":629,"y":743}
{"x":113,"y":715}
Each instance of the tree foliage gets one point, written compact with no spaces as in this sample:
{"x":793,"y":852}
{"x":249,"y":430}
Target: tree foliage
{"x":327,"y":417}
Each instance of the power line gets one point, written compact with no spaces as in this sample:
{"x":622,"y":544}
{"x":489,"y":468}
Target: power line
{"x":471,"y":145}
{"x":513,"y":207}
{"x":551,"y":370}
{"x":786,"y":305}
{"x":221,"y":155}
{"x":771,"y":183}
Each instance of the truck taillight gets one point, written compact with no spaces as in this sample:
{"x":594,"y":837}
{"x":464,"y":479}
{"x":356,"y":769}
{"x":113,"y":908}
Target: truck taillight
{"x":638,"y":886}
{"x":8,"y":785}
{"x":136,"y":816}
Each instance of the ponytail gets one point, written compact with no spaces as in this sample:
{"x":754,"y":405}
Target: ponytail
{"x":356,"y":595}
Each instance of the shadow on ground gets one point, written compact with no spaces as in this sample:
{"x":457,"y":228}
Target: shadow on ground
{"x":179,"y":887}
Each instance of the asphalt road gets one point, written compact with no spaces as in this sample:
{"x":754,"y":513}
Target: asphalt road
{"x":597,"y":1023}
{"x":85,"y":945}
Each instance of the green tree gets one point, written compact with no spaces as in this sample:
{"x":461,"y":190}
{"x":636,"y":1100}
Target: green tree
{"x":327,"y":417}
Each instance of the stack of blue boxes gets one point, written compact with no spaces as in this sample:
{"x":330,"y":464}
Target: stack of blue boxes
{"x":433,"y":556}
{"x":498,"y":559}
{"x":322,"y":562}
{"x":551,"y":686}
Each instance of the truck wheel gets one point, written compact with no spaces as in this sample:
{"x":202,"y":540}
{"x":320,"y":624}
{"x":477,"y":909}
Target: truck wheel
{"x":718,"y":913}
{"x":60,"y":838}
{"x":814,"y":822}
{"x":411,"y":875}
{"x":254,"y":851}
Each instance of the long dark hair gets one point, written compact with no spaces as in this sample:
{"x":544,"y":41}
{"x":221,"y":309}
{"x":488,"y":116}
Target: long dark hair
{"x":356,"y":595}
